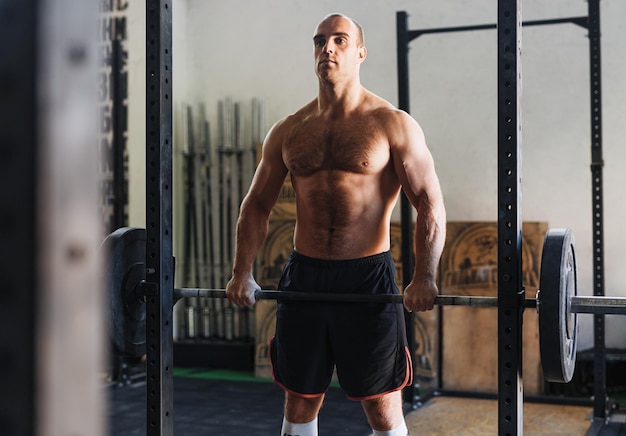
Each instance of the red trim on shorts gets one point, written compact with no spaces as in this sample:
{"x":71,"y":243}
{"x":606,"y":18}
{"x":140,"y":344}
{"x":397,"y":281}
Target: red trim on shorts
{"x":285,"y":388}
{"x":408,"y":379}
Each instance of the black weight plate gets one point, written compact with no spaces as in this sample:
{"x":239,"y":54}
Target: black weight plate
{"x":125,"y":253}
{"x":558,"y":325}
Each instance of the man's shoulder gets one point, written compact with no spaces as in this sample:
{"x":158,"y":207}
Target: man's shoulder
{"x":393,"y":121}
{"x":284,"y":126}
{"x":380,"y":107}
{"x":389,"y":115}
{"x":297,"y":116}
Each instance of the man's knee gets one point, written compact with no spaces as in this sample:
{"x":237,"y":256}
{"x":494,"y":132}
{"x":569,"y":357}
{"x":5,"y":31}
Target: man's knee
{"x":300,"y":409}
{"x":384,"y":413}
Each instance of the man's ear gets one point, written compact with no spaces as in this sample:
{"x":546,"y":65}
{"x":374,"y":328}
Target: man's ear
{"x":362,"y":54}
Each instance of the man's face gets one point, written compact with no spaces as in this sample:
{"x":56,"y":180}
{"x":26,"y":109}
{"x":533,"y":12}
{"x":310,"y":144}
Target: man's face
{"x":338,"y":50}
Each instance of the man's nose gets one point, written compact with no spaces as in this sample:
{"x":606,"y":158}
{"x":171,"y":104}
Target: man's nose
{"x":329,"y":48}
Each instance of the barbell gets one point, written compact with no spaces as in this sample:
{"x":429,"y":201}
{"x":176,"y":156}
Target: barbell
{"x":557,"y":302}
{"x":579,"y":304}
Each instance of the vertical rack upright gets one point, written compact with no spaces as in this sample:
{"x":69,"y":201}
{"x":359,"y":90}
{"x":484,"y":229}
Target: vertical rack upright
{"x":159,"y":285}
{"x":511,"y":293}
{"x":600,"y":411}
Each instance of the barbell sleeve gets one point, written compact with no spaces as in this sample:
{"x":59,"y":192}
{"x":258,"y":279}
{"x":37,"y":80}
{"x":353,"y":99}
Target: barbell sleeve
{"x":599,"y":305}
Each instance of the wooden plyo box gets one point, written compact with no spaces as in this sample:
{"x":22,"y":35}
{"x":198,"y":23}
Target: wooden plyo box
{"x":270,"y":261}
{"x":469,"y":266}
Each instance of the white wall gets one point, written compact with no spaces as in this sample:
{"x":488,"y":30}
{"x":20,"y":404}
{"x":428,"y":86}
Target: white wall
{"x":263,"y":48}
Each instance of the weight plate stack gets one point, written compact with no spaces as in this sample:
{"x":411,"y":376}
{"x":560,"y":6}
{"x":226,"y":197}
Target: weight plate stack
{"x":125,"y":252}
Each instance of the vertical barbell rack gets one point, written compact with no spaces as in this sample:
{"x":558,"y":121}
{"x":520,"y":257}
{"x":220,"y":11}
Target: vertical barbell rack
{"x":600,"y":410}
{"x":592,"y":24}
{"x":159,"y":285}
{"x":511,"y":293}
{"x":19,"y":178}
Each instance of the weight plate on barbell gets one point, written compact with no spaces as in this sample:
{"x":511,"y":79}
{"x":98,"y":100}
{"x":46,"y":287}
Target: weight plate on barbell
{"x":558,"y":325}
{"x":125,"y":253}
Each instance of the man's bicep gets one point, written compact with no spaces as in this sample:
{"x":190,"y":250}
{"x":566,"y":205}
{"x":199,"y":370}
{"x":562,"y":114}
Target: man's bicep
{"x":422,"y":180}
{"x":270,"y":174}
{"x":413,"y":162}
{"x":267,"y":183}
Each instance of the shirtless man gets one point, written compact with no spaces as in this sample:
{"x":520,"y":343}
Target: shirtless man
{"x":348,"y":153}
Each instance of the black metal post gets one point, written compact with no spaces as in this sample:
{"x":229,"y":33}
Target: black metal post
{"x":406,"y":216}
{"x":19,"y":153}
{"x":600,"y":398}
{"x":159,"y":256}
{"x":581,"y":21}
{"x":510,"y":288}
{"x":402,"y":48}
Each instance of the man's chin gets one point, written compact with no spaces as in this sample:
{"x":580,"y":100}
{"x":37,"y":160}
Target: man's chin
{"x":324,"y":72}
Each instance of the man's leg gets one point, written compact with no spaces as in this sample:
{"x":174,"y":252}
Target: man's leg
{"x":385,"y":414}
{"x":301,"y":415}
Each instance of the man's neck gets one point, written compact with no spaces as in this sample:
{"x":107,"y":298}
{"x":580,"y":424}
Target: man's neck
{"x":339,"y":98}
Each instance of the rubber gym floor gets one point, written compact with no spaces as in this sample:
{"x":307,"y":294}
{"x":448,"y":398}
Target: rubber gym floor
{"x":225,"y":403}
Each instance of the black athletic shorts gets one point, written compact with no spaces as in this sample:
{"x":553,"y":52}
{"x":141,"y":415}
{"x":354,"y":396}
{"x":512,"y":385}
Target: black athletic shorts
{"x":366,"y":342}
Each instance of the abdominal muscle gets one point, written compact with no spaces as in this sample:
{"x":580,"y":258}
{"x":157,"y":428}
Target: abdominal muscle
{"x":342,"y":215}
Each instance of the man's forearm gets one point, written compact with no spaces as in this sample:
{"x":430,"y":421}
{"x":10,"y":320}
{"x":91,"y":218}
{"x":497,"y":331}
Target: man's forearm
{"x":252,"y":228}
{"x":430,"y":236}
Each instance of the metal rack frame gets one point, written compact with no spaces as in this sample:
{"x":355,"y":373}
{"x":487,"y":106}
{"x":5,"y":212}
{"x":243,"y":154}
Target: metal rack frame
{"x":510,"y":288}
{"x":159,"y":284}
{"x":19,"y":151}
{"x":160,"y":262}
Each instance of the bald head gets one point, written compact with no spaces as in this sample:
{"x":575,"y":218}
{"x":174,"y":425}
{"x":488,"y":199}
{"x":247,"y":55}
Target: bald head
{"x":361,"y":38}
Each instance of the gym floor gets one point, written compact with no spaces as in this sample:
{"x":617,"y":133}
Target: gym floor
{"x":212,"y":402}
{"x":227,"y":403}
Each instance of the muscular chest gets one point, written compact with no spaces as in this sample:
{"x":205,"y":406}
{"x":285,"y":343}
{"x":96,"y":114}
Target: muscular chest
{"x":356,"y":146}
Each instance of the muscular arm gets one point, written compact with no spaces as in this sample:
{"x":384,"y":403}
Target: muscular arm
{"x":253,"y":222}
{"x":415,"y":169}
